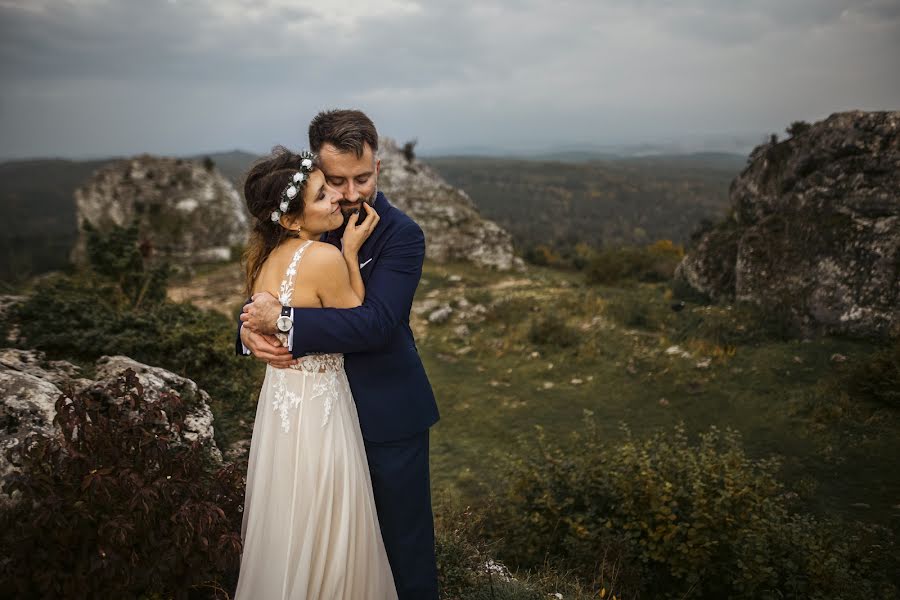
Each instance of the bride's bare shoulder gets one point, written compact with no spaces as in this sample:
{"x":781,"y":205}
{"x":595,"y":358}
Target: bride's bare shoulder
{"x":323,"y":258}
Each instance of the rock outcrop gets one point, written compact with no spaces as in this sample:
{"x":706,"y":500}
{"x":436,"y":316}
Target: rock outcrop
{"x":185,"y":210}
{"x":454,"y":230}
{"x":814,"y":229}
{"x":30,"y":386}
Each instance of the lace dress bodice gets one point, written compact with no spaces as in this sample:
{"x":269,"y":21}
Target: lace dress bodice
{"x":327,"y":368}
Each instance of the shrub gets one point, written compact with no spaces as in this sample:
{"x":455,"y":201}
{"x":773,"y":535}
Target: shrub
{"x":409,"y":150}
{"x":736,"y":324}
{"x":542,"y":255}
{"x":552,"y":330}
{"x":635,"y":313}
{"x":125,"y":261}
{"x":118,"y":506}
{"x":797,"y":127}
{"x":652,"y":263}
{"x":466,"y":570}
{"x":878,"y":378}
{"x":678,"y":521}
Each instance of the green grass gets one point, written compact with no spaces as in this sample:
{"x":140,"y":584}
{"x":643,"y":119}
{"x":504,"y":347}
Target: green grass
{"x":781,"y":394}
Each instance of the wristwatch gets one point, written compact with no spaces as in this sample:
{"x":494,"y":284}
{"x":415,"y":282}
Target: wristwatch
{"x":284,"y":322}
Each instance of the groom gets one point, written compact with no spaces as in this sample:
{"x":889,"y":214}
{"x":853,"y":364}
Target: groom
{"x":394,"y":400}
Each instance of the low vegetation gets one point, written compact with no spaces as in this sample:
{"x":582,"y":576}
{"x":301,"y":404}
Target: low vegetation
{"x":649,"y":494}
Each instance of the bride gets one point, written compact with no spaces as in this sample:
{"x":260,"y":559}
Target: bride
{"x":310,"y":529}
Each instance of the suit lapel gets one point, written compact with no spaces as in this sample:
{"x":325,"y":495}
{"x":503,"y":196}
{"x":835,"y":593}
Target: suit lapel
{"x":371,"y":247}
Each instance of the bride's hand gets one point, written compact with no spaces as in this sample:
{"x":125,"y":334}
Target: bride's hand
{"x":355,"y":235}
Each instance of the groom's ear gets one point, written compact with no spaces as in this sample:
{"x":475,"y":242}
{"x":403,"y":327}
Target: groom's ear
{"x":378,"y":166}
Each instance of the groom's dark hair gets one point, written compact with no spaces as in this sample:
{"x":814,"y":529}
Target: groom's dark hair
{"x":347,"y":130}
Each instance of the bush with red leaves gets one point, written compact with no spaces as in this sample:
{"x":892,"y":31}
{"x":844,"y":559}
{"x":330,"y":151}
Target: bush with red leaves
{"x":119,"y":505}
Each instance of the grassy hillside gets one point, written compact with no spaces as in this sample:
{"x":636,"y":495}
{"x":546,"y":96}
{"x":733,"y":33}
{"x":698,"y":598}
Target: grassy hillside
{"x":547,"y":346}
{"x":525,"y":356}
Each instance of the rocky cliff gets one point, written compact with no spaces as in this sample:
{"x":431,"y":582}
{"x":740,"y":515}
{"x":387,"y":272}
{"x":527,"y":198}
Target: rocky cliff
{"x":814,"y":228}
{"x":186,"y":210}
{"x":454,"y":230}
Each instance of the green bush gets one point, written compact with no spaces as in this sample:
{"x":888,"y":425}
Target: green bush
{"x":127,"y":264}
{"x":552,"y":330}
{"x":635,"y":313}
{"x":679,"y":520}
{"x":735,"y":324}
{"x":653,"y":263}
{"x":466,"y":570}
{"x":118,"y":505}
{"x":878,"y":377}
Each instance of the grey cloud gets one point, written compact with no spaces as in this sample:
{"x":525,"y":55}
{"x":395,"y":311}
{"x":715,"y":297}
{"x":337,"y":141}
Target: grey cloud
{"x":200,"y":75}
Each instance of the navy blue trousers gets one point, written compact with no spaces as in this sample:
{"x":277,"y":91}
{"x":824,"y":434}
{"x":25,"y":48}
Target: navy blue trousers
{"x":402,"y":488}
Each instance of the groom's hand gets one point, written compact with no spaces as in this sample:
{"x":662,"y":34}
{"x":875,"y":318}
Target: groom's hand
{"x":260,"y":314}
{"x":267,"y":348}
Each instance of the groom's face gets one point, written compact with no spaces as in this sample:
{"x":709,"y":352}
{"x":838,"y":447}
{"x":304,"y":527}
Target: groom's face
{"x":355,"y":177}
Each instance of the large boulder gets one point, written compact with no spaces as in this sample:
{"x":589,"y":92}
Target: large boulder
{"x":30,"y":386}
{"x":454,"y":230}
{"x":814,"y":229}
{"x":185,"y":210}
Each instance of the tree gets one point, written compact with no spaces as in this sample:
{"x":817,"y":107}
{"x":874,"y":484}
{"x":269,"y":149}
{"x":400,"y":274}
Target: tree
{"x":797,"y":127}
{"x":408,"y":150}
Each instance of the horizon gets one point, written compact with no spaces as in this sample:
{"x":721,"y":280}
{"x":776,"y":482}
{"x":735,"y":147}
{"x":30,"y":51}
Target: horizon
{"x":663,"y":148}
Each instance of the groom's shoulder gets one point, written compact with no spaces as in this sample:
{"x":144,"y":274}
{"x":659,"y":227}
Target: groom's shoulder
{"x":402,"y":222}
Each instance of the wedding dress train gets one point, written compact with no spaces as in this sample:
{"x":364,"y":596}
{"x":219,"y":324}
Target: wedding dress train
{"x":310,"y":529}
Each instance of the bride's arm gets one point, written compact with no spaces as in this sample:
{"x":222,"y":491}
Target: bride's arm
{"x":355,"y":233}
{"x":351,"y":259}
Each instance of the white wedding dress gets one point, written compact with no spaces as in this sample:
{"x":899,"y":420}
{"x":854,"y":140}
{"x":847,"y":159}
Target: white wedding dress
{"x":310,"y":530}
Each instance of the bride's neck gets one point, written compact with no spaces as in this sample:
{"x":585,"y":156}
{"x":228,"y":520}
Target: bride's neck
{"x":303,"y":236}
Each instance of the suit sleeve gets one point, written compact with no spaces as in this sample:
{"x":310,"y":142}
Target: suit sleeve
{"x":389,"y":296}
{"x":239,"y":347}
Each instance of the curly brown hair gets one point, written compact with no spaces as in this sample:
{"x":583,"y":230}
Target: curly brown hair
{"x":263,"y":186}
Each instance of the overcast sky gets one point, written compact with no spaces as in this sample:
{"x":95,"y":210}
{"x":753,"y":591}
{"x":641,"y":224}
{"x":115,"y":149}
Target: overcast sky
{"x":112,"y":77}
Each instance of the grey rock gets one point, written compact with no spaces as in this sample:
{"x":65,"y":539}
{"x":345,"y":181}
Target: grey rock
{"x":27,"y":405}
{"x":184,"y":211}
{"x":814,"y":230}
{"x":57,"y":372}
{"x":454,"y":230}
{"x":440,"y":315}
{"x":30,"y":386}
{"x":198,"y":422}
{"x":461,"y":331}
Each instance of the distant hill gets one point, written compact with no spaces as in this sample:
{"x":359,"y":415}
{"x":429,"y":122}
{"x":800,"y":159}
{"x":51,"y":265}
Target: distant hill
{"x":559,"y":202}
{"x":630,"y":200}
{"x":232,"y":165}
{"x":37,"y":206}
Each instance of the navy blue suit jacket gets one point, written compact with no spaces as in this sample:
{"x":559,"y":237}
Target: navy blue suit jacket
{"x":393,"y":397}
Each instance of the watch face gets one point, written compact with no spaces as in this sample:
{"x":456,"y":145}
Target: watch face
{"x":284,"y":324}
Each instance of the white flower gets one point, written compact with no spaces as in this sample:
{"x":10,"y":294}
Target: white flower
{"x":291,"y":192}
{"x":306,"y":163}
{"x":275,"y":215}
{"x":283,"y":206}
{"x":299,"y":177}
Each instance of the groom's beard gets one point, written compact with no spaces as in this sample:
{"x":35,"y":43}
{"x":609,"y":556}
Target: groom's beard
{"x":347,"y":207}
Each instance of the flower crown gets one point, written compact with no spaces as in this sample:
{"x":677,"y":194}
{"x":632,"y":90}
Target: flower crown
{"x":307,"y":165}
